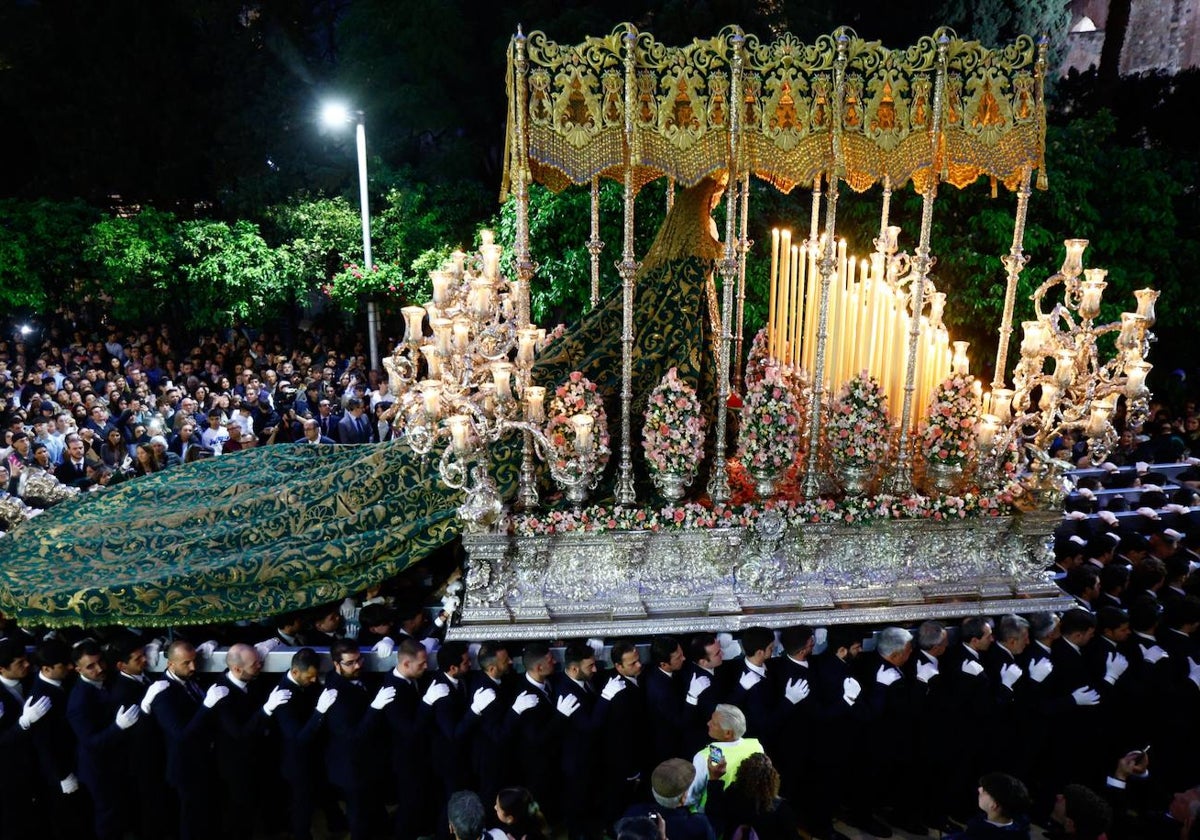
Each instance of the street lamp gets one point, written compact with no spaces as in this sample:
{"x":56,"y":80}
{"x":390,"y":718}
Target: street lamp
{"x":337,"y":115}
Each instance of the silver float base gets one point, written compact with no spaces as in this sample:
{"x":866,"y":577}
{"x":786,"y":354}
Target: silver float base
{"x":624,"y":583}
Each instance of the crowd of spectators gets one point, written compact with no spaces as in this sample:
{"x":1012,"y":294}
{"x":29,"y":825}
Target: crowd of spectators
{"x":1085,"y":724}
{"x":82,"y":409}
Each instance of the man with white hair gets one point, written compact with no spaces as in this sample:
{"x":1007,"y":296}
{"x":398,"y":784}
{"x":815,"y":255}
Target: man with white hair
{"x":727,"y":743}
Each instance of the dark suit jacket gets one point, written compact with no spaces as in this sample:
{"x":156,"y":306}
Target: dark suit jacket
{"x":447,"y":735}
{"x":301,"y":734}
{"x":488,"y":735}
{"x":580,"y":737}
{"x":696,"y":717}
{"x":187,"y":727}
{"x":102,"y":744}
{"x":665,"y":701}
{"x":16,"y":745}
{"x":241,"y":735}
{"x":353,"y":757}
{"x":68,"y":474}
{"x":624,"y":744}
{"x":354,"y":431}
{"x":53,"y":740}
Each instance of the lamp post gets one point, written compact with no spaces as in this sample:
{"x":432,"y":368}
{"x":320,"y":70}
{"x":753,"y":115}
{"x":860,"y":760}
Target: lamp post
{"x":336,"y":115}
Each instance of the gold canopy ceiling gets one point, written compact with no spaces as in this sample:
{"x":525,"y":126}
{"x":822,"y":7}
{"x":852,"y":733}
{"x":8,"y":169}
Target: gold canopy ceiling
{"x":574,"y":107}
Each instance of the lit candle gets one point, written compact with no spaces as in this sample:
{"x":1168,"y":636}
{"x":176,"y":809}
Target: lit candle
{"x":441,"y":334}
{"x":772,"y":319}
{"x":891,"y":239}
{"x":481,"y":291}
{"x":1034,"y":338}
{"x":1090,"y":292}
{"x":486,"y":237}
{"x":441,"y":287}
{"x":985,"y":432}
{"x":1146,"y":299}
{"x":583,"y":424}
{"x":526,"y":346}
{"x":431,"y":398}
{"x":786,"y":312}
{"x":977,"y":392}
{"x":960,"y":364}
{"x":1073,"y":262}
{"x":458,"y":262}
{"x":433,"y":362}
{"x":502,"y":377}
{"x":460,"y":433}
{"x":1135,"y":379}
{"x":414,"y":316}
{"x":937,"y":307}
{"x":1098,"y":421}
{"x":1064,"y":368}
{"x":1049,"y":398}
{"x":1002,"y":404}
{"x":462,"y":334}
{"x":535,"y":397}
{"x":491,"y":261}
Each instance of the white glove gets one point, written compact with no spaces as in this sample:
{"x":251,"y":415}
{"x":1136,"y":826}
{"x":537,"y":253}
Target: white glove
{"x":70,"y":784}
{"x":567,"y":705}
{"x":525,"y":701}
{"x":1108,"y":518}
{"x":33,"y":711}
{"x":1153,"y":653}
{"x":435,"y":692}
{"x":971,"y":668}
{"x":1114,"y":666}
{"x":216,"y":693}
{"x":127,"y":716}
{"x":1085,"y":696}
{"x":1194,"y":671}
{"x":384,"y":647}
{"x":886,"y":675}
{"x":328,"y":698}
{"x":796,"y":690}
{"x":206,"y":649}
{"x":156,"y":688}
{"x":266,"y":647}
{"x":483,"y":698}
{"x":597,"y":646}
{"x":612,"y":688}
{"x":153,"y":653}
{"x":730,"y":647}
{"x":926,"y":671}
{"x":696,"y":687}
{"x":1040,"y":669}
{"x":850,"y":690}
{"x":1009,"y":675}
{"x":384,"y":696}
{"x":278,"y":696}
{"x":749,"y":679}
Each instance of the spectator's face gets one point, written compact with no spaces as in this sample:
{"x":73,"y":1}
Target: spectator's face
{"x":21,"y":446}
{"x":312,"y":431}
{"x":42,"y":458}
{"x":235,"y":431}
{"x":185,"y":431}
{"x":214,"y":421}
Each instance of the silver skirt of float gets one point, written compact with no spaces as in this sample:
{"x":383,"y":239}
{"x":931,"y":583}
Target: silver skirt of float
{"x":616,"y":583}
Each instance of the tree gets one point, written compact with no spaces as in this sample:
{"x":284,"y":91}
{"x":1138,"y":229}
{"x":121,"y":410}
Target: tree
{"x":134,"y":263}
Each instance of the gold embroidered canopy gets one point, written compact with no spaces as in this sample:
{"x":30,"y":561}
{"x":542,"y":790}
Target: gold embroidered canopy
{"x":572,"y":102}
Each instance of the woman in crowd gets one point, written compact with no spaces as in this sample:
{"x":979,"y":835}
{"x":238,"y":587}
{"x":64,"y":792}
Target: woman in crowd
{"x":113,"y":451}
{"x":519,"y":816}
{"x":752,"y":802}
{"x":144,"y":462}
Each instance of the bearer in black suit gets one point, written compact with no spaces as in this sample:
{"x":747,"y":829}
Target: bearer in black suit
{"x":537,"y":729}
{"x":409,"y":719}
{"x":301,"y":729}
{"x":103,"y":738}
{"x":145,"y":761}
{"x":447,"y":742}
{"x":704,"y":690}
{"x":54,"y":742}
{"x":665,"y":699}
{"x":486,"y":728}
{"x":19,"y":713}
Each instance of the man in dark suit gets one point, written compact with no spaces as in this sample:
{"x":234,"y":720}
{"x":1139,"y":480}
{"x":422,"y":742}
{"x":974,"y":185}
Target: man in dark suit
{"x":486,"y":726}
{"x":54,"y":742}
{"x":1076,"y":716}
{"x":704,"y":690}
{"x":354,"y":427}
{"x":144,"y":756}
{"x":73,"y":470}
{"x":665,"y":699}
{"x":327,"y":420}
{"x":313,"y":434}
{"x":241,"y":745}
{"x":753,"y":690}
{"x":624,"y":742}
{"x":584,"y":715}
{"x":971,"y":695}
{"x":795,"y":721}
{"x":19,"y":713}
{"x":301,"y":729}
{"x":353,"y":760}
{"x":103,"y":740}
{"x":447,"y":741}
{"x":183,"y":711}
{"x":409,"y":719}
{"x":537,"y":729}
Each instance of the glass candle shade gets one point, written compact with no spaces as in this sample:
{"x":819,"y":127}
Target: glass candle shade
{"x":535,"y":399}
{"x":414,"y":319}
{"x":985,"y":432}
{"x":441,"y":334}
{"x":1073,"y":262}
{"x":1091,"y":291}
{"x":431,"y":398}
{"x":502,"y":379}
{"x":583,"y":425}
{"x":1034,"y":339}
{"x":1146,"y":299}
{"x":433,"y":362}
{"x":1135,"y":379}
{"x":527,"y":340}
{"x":442,"y":283}
{"x":1002,"y":404}
{"x":462,"y":334}
{"x":1049,"y":398}
{"x":960,"y":364}
{"x":460,"y":433}
{"x":1064,"y":368}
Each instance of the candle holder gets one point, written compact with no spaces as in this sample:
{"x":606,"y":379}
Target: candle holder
{"x":1082,"y":391}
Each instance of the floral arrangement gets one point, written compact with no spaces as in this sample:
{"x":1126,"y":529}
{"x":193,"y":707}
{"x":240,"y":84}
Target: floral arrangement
{"x":857,"y":430}
{"x":673,"y":434}
{"x":694,"y":515}
{"x":948,"y":433}
{"x":578,"y":395}
{"x":756,"y":359}
{"x":348,"y":286}
{"x":770,"y":425}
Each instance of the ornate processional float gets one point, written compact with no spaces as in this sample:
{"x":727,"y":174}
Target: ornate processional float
{"x":872,"y":478}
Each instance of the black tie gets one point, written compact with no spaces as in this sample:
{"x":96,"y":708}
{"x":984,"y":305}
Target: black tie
{"x":194,"y":690}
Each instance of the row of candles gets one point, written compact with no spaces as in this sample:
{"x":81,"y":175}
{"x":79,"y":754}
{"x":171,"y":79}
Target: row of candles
{"x":465,"y":307}
{"x":868,"y":320}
